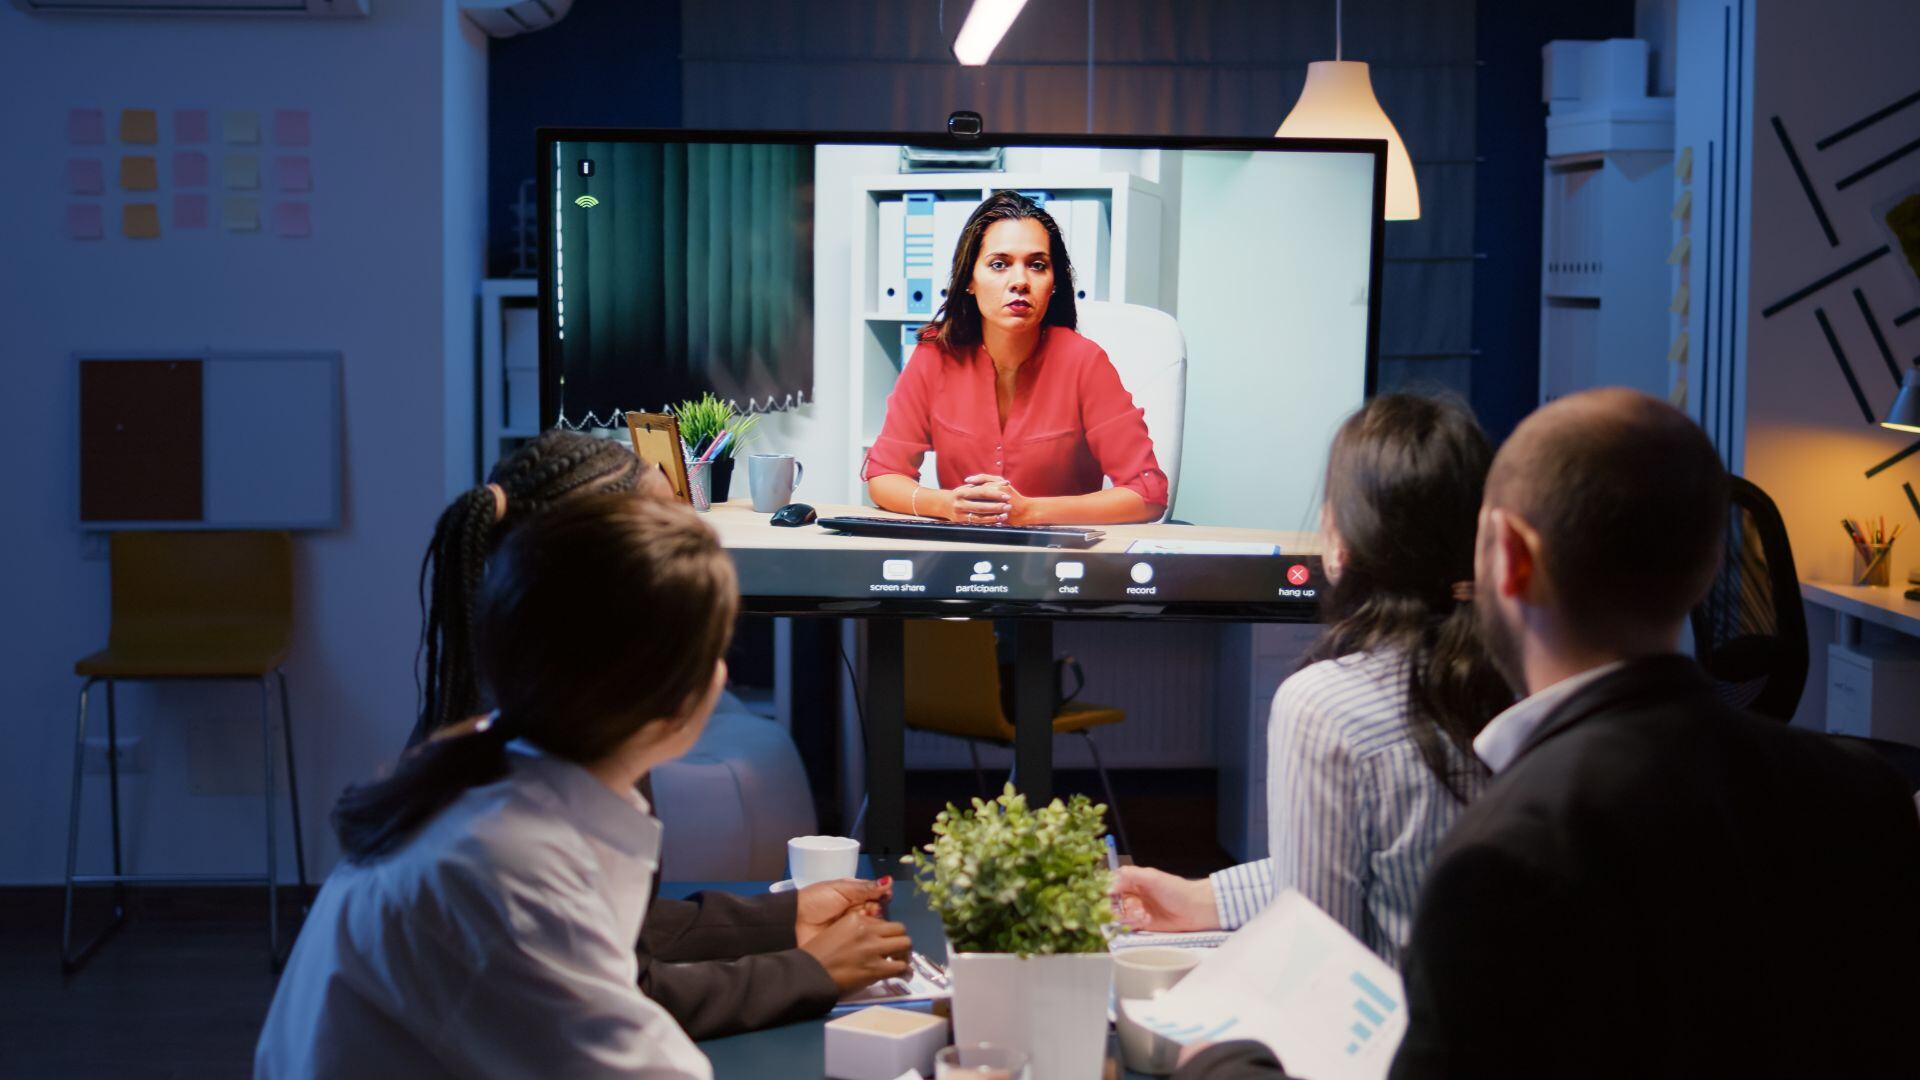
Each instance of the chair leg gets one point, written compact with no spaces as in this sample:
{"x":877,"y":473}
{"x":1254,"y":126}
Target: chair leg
{"x":293,"y":789}
{"x":979,"y":776}
{"x":273,"y":869}
{"x":70,"y":958}
{"x":1113,"y":804}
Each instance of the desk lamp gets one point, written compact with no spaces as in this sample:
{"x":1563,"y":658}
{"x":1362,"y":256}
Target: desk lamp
{"x":1905,"y":414}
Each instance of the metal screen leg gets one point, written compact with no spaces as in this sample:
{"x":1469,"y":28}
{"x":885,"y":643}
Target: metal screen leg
{"x":886,"y":743}
{"x":293,"y":788}
{"x":979,"y":777}
{"x":273,"y":870}
{"x":1113,"y":804}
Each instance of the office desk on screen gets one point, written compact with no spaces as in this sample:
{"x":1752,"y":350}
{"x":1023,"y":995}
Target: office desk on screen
{"x":799,"y":1051}
{"x":740,"y":526}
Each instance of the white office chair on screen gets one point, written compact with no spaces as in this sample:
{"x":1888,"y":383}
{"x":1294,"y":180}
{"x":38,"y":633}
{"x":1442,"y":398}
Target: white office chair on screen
{"x":1150,"y":353}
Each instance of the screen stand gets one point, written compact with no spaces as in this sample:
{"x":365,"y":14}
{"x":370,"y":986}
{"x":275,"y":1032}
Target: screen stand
{"x":886,"y":729}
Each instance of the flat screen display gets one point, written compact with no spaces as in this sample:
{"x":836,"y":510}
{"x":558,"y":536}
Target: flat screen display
{"x":1025,"y":375}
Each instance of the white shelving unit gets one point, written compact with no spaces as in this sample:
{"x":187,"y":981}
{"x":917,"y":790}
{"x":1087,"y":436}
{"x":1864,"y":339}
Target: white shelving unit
{"x":1606,"y":229}
{"x":509,"y":366}
{"x":1133,"y":222}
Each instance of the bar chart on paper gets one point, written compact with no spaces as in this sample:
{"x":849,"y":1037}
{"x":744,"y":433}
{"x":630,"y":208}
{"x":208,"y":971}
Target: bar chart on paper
{"x":1330,"y":1008}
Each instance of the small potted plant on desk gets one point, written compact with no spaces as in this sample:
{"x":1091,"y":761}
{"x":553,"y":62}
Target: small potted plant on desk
{"x":702,"y":423}
{"x":1023,"y":896}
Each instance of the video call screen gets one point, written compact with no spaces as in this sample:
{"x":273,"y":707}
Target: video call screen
{"x":985,"y":378}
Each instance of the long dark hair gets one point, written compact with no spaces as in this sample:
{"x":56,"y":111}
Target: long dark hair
{"x":533,"y":478}
{"x":1404,"y":481}
{"x":607,"y":614}
{"x":958,"y":323}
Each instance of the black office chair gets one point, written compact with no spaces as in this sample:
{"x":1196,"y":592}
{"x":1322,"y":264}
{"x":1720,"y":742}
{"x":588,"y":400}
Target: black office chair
{"x":1750,"y":632}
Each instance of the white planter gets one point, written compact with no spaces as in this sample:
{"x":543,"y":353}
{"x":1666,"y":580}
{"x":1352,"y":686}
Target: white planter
{"x":1052,"y":1007}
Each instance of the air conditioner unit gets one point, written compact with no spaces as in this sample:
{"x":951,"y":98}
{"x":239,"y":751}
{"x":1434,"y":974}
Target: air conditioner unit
{"x":505,"y":18}
{"x":316,"y":8}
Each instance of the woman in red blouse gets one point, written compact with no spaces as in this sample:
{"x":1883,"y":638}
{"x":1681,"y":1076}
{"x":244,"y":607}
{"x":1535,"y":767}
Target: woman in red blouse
{"x":1025,"y":417}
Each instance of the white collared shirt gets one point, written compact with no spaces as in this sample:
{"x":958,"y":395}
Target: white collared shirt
{"x":1500,"y":741}
{"x":498,"y":942}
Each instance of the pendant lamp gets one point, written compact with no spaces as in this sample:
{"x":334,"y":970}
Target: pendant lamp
{"x":1337,"y":102}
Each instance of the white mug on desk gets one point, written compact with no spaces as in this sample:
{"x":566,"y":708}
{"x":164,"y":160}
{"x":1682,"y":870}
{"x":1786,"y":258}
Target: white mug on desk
{"x":1145,"y":973}
{"x":813,"y":859}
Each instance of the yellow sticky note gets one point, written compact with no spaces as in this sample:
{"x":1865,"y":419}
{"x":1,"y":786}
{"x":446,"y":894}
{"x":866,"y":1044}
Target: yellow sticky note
{"x":139,"y":172}
{"x":1683,"y":165}
{"x":1680,"y":297}
{"x":140,"y":221}
{"x":1680,"y":251}
{"x":1683,"y":207}
{"x":139,"y":126}
{"x":1677,"y":352}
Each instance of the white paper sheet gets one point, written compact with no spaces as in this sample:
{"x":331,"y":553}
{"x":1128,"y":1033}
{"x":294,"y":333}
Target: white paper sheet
{"x":1295,"y":980}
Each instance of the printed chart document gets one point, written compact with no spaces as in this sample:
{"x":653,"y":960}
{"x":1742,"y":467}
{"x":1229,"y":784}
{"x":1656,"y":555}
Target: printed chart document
{"x":1297,"y":981}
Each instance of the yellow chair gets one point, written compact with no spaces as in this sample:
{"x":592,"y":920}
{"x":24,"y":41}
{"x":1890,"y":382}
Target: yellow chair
{"x":953,"y":688}
{"x":189,"y":605}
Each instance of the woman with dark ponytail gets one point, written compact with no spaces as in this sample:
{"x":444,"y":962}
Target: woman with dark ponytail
{"x":718,"y":963}
{"x":483,"y":921}
{"x":1370,"y":754}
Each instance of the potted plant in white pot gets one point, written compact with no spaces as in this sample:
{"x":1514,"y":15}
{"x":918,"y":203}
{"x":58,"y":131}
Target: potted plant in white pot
{"x":1023,"y":896}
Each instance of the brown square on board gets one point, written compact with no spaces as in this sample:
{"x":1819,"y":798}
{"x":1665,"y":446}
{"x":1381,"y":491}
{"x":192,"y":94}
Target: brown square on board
{"x":141,"y":440}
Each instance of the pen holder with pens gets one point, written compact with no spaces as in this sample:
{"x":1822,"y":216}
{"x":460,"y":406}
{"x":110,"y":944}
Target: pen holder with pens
{"x":700,"y":487}
{"x":1872,"y":564}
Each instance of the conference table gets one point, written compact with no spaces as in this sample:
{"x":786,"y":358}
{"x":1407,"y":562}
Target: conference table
{"x":798,"y":1051}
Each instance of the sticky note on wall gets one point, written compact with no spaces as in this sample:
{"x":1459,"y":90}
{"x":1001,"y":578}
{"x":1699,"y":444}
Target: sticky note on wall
{"x":139,"y":126}
{"x":84,"y":221}
{"x":139,"y":172}
{"x":292,"y":219}
{"x":190,"y":169}
{"x":190,"y":126}
{"x":140,"y":221}
{"x":241,"y":172}
{"x":86,"y":127}
{"x":290,"y":127}
{"x":85,"y":176}
{"x":189,"y":211}
{"x":293,"y":174}
{"x":242,"y":127}
{"x":240,"y":214}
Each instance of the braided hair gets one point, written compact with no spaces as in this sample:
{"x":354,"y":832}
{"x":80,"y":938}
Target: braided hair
{"x":534,"y":478}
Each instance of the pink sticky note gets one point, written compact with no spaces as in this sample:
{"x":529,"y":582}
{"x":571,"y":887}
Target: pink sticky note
{"x":189,"y":211}
{"x":189,"y":169}
{"x":293,"y":174}
{"x":86,"y":126}
{"x":290,"y":127}
{"x":85,"y":176}
{"x":191,"y":126}
{"x":292,"y":219}
{"x":84,"y":221}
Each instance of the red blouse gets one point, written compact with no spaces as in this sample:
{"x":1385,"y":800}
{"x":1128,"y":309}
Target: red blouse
{"x":1071,"y":422}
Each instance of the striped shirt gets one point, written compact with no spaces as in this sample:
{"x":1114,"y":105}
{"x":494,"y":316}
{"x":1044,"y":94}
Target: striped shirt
{"x":1354,"y":814}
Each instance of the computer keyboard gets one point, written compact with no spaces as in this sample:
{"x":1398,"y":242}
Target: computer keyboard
{"x":1047,"y":536}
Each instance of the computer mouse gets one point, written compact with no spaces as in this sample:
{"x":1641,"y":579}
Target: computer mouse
{"x":794,"y":515}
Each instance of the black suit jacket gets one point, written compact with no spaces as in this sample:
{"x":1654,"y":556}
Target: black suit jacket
{"x":723,"y":964}
{"x":1662,"y":887}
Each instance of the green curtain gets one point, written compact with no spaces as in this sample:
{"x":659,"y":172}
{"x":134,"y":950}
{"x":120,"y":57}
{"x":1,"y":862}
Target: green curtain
{"x":691,"y":269}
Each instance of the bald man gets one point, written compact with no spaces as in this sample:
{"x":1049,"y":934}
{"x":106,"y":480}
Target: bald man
{"x":1654,"y":885}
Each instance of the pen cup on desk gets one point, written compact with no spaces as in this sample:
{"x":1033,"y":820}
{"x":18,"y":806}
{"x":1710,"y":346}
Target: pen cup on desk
{"x":700,"y":484}
{"x":1872,"y":564}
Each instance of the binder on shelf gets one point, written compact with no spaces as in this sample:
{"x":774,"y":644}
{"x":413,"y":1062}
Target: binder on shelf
{"x":917,"y":245}
{"x":909,"y":341}
{"x":890,"y":284}
{"x":1091,"y":258}
{"x":949,"y":219}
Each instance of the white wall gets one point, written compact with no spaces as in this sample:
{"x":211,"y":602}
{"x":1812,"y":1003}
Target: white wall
{"x":1273,"y":303}
{"x":394,"y":99}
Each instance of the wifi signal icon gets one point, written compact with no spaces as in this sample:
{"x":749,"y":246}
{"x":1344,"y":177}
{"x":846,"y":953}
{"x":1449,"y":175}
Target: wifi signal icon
{"x":586,"y":201}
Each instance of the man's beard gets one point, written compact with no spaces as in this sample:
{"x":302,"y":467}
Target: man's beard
{"x":1500,"y":641}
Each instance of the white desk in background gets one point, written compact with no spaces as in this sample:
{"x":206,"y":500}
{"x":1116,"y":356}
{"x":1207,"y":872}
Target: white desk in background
{"x":1872,"y":676}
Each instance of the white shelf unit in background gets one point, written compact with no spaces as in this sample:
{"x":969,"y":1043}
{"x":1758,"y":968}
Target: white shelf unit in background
{"x":509,"y":366}
{"x":1126,"y":266}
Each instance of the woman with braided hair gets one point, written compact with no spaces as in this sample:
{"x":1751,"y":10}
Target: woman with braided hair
{"x":718,"y":963}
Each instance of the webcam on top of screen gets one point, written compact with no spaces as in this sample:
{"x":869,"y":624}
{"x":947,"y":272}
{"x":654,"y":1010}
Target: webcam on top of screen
{"x":965,"y":124}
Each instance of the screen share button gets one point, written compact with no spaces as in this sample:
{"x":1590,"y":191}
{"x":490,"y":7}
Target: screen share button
{"x":896,"y":576}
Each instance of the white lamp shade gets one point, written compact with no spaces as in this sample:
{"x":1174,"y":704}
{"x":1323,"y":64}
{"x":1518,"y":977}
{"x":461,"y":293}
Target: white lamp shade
{"x":1338,"y":103}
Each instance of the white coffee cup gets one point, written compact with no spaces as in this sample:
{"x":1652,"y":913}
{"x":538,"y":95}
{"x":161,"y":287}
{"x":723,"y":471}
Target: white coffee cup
{"x":813,"y":859}
{"x":1146,"y":973}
